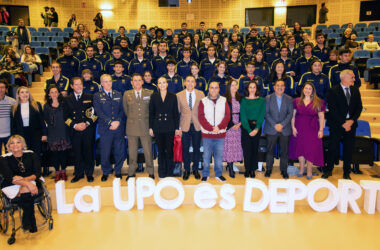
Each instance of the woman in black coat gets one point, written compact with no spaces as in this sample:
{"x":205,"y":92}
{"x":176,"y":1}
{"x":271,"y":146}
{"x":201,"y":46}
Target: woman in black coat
{"x":27,"y":120}
{"x":163,"y":124}
{"x":98,"y":20}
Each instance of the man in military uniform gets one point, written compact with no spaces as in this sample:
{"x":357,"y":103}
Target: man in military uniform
{"x":80,"y":118}
{"x":127,"y":53}
{"x":69,"y":63}
{"x":108,"y":106}
{"x":91,"y":63}
{"x":140,"y":64}
{"x":136,"y":108}
{"x":159,"y":61}
{"x":116,"y":56}
{"x":58,"y":79}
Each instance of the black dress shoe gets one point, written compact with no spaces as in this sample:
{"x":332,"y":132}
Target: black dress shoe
{"x":90,"y":179}
{"x":285,"y":175}
{"x":196,"y":174}
{"x":246,"y":174}
{"x":357,"y":171}
{"x":186,"y":175}
{"x":252,"y":174}
{"x":118,"y":176}
{"x":76,"y":179}
{"x":230,"y":168}
{"x":326,"y":175}
{"x":346,"y":176}
{"x":268,"y":173}
{"x":104,"y":177}
{"x":140,"y":168}
{"x":130,"y":176}
{"x":151,"y":176}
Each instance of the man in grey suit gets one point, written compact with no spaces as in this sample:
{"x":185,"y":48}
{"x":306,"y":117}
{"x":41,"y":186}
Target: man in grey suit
{"x":279,"y":113}
{"x":136,"y":108}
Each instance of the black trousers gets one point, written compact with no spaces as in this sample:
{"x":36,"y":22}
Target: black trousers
{"x":336,"y":135}
{"x":250,"y":146}
{"x":83,"y":147}
{"x":284,"y":145}
{"x":165,"y":143}
{"x":26,"y":202}
{"x":191,"y":137}
{"x":59,"y":159}
{"x":33,"y":141}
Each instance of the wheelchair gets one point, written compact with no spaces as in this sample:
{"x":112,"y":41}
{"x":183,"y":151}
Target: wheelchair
{"x":8,"y":209}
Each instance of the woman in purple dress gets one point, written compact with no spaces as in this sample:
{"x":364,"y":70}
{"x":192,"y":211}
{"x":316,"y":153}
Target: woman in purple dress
{"x":233,"y":151}
{"x":307,"y":125}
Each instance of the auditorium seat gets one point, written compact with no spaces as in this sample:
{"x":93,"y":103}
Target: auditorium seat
{"x":360,"y":26}
{"x":377,"y":39}
{"x":376,"y":54}
{"x":321,"y":26}
{"x":339,"y":31}
{"x":57,"y":39}
{"x":31,"y":29}
{"x":50,"y":44}
{"x":177,"y":31}
{"x":50,"y":34}
{"x":334,"y":26}
{"x":372,"y":73}
{"x":35,"y":44}
{"x":35,"y":33}
{"x":363,"y":34}
{"x":327,"y":31}
{"x":4,"y":29}
{"x":68,"y":30}
{"x":133,"y":31}
{"x":63,"y":34}
{"x":344,"y":26}
{"x":43,"y":30}
{"x":245,"y":30}
{"x":333,"y":36}
{"x":369,"y":29}
{"x":43,"y":39}
{"x":364,"y":145}
{"x":56,"y":30}
{"x":111,"y":31}
{"x":191,"y":31}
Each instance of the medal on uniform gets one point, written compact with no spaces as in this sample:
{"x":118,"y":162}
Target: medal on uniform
{"x":94,"y":66}
{"x":72,"y":63}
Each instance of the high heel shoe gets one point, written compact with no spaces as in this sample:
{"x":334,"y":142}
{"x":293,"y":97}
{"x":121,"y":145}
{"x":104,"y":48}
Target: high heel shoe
{"x":309,"y":177}
{"x":299,"y":175}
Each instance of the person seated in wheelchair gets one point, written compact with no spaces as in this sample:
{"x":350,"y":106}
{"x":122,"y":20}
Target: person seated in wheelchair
{"x":21,"y":170}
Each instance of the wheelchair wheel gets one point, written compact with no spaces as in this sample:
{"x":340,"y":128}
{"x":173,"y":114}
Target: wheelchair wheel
{"x":4,"y":219}
{"x":44,"y":206}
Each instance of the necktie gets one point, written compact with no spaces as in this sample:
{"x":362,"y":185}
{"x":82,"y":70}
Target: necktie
{"x":138,"y":96}
{"x":109,"y":94}
{"x":348,"y":96}
{"x":78,"y":97}
{"x":191,"y":101}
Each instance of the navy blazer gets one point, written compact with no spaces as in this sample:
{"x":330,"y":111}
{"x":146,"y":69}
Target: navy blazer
{"x":109,"y":110}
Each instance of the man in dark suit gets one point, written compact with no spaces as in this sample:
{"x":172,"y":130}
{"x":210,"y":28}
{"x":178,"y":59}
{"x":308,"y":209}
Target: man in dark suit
{"x":79,"y":116}
{"x":345,"y":106}
{"x":108,"y":106}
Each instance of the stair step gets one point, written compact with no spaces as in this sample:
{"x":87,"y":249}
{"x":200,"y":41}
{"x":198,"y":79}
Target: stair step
{"x":370,"y":93}
{"x":370,"y":100}
{"x":375,"y":128}
{"x":370,"y":117}
{"x":372,"y":108}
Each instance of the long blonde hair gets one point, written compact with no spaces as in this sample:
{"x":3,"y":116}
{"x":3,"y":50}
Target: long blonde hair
{"x":32,"y":102}
{"x":314,"y":98}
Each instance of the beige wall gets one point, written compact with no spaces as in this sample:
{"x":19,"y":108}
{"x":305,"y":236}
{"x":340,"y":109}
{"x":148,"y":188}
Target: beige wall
{"x":132,"y":13}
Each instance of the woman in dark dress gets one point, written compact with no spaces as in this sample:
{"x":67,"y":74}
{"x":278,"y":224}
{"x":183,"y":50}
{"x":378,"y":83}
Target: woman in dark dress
{"x":163,"y":124}
{"x":21,"y":167}
{"x":57,"y":135}
{"x":27,"y":120}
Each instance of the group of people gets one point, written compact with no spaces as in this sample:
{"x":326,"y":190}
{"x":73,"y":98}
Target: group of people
{"x":50,"y":17}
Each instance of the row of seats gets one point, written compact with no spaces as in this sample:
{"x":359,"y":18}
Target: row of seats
{"x":32,"y":29}
{"x":358,"y":26}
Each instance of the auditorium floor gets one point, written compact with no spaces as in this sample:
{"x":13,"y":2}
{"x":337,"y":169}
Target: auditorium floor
{"x":190,"y":227}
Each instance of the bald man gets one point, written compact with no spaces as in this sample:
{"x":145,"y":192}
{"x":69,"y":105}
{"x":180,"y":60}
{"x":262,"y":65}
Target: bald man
{"x":345,"y":106}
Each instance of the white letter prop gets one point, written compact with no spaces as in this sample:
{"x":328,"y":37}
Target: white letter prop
{"x":331,"y":200}
{"x":372,"y":190}
{"x":279,"y":202}
{"x":297,"y":191}
{"x":259,"y":205}
{"x":117,"y":201}
{"x":144,"y":188}
{"x":228,"y":200}
{"x":169,"y":204}
{"x":205,"y":195}
{"x":84,"y":206}
{"x":349,"y":192}
{"x":60,"y":195}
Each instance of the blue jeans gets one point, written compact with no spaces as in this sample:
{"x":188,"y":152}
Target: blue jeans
{"x":213,"y":147}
